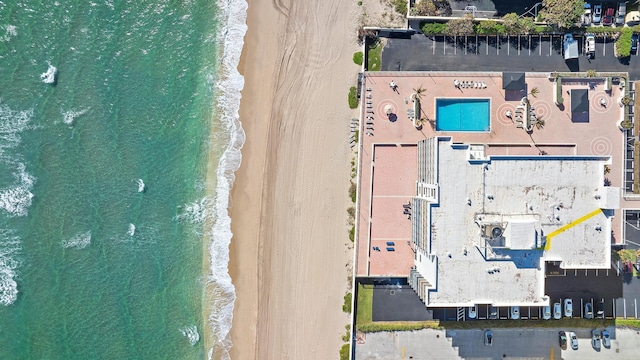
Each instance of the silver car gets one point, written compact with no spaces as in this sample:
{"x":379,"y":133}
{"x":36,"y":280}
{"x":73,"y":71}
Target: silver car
{"x":574,"y":340}
{"x":557,"y":311}
{"x":588,"y":311}
{"x":595,"y":339}
{"x":606,"y":339}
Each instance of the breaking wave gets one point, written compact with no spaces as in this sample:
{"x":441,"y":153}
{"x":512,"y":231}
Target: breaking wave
{"x":79,"y":241}
{"x":141,"y":186}
{"x":49,"y":77}
{"x":12,"y":123}
{"x":194,"y":213}
{"x":70,"y":116}
{"x":16,"y":199}
{"x":10,"y":248}
{"x":132,"y":230}
{"x":228,"y":87}
{"x":191,"y":333}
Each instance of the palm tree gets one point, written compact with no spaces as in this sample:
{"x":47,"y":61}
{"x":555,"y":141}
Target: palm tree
{"x":607,"y":169}
{"x":534,"y":92}
{"x":539,"y":123}
{"x":419,"y":91}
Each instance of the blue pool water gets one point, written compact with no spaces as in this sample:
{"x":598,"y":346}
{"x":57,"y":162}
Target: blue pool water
{"x":462,"y":115}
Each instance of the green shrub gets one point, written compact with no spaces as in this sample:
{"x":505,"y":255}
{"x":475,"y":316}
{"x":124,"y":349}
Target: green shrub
{"x":461,"y":26}
{"x":359,"y":3}
{"x":352,"y":192}
{"x":432,"y":28}
{"x":374,"y":60}
{"x":346,"y":306}
{"x":489,"y":27}
{"x":352,"y":233}
{"x":357,"y":57}
{"x":344,"y":352}
{"x":353,"y":98}
{"x":559,"y":99}
{"x":623,"y":44}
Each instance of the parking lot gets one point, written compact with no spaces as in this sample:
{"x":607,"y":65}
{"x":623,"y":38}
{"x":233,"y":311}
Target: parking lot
{"x":542,"y":53}
{"x":507,"y":343}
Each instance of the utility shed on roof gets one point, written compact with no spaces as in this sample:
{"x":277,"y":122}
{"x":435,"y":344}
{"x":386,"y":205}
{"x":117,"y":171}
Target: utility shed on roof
{"x":580,"y":105}
{"x":513,"y":81}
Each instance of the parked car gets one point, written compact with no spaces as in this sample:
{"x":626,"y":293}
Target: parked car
{"x":563,"y":340}
{"x":588,"y":311}
{"x":600,"y":312}
{"x":557,"y":311}
{"x":597,"y":14}
{"x":622,"y":11}
{"x":574,"y":340}
{"x":488,"y":338}
{"x":608,"y":17}
{"x":586,"y":18}
{"x":568,"y":308}
{"x":595,"y":339}
{"x":590,"y":46}
{"x":515,"y":312}
{"x":473,"y":311}
{"x":546,"y":312}
{"x":493,"y":313}
{"x":606,"y":339}
{"x":634,"y":44}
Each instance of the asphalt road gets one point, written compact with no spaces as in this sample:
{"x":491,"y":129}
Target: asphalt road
{"x":499,"y":53}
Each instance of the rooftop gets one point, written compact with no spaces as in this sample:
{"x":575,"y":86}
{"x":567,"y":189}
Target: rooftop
{"x":494,"y":215}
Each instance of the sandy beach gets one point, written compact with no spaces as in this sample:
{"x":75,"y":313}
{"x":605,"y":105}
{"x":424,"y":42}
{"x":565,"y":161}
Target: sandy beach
{"x":289,"y":252}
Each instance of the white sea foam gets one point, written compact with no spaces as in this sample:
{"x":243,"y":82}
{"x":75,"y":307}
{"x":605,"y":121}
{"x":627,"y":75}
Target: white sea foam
{"x":141,"y":186}
{"x":16,"y":199}
{"x":80,"y":241}
{"x":10,"y":249}
{"x":132,"y":230}
{"x":10,"y":31}
{"x":70,"y":116}
{"x":12,"y":124}
{"x":194,"y":213}
{"x":49,"y":77}
{"x":191,"y":333}
{"x":228,"y":86}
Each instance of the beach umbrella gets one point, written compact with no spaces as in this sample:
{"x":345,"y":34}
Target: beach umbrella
{"x":388,"y":109}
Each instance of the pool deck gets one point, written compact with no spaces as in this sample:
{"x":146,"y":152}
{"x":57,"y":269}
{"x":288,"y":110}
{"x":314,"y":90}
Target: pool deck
{"x":388,"y":158}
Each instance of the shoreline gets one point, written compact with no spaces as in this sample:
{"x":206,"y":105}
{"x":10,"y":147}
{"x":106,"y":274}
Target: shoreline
{"x":289,"y":254}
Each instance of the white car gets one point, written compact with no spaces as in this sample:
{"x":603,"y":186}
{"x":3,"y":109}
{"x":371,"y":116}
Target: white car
{"x":574,"y":340}
{"x":546,"y":312}
{"x":606,"y":339}
{"x":473,"y":311}
{"x":595,"y":339}
{"x":568,"y":308}
{"x":597,"y":14}
{"x":515,"y":312}
{"x":557,"y":311}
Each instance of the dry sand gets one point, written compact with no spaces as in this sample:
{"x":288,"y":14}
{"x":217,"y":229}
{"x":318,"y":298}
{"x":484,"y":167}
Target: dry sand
{"x":289,"y":251}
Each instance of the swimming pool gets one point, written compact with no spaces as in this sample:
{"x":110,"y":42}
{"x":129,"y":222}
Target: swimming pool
{"x":462,"y":115}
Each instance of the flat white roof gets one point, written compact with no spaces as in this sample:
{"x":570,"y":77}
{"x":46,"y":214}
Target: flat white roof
{"x":534,"y":198}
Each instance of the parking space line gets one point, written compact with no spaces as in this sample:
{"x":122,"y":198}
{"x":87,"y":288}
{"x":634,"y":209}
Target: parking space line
{"x":596,"y":272}
{"x":518,"y":44}
{"x":540,"y":45}
{"x":635,"y":307}
{"x":465,"y":44}
{"x":550,"y":44}
{"x":624,"y":307}
{"x":604,"y":47}
{"x":508,"y":42}
{"x":434,"y":44}
{"x":614,"y":307}
{"x":497,"y":45}
{"x":477,"y":50}
{"x":455,"y":45}
{"x":487,"y":44}
{"x":444,"y":46}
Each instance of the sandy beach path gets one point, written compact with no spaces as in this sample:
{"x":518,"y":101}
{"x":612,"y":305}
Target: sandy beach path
{"x":289,"y":202}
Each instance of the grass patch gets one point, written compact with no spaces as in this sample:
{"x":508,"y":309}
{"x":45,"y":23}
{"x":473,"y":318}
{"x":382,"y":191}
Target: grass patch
{"x":400,"y":6}
{"x":623,"y":44}
{"x":375,"y":57}
{"x":398,"y":326}
{"x":346,"y":306}
{"x":629,"y":323}
{"x":353,"y":98}
{"x":364,"y":308}
{"x":352,"y":234}
{"x":353,"y":192}
{"x":357,"y":57}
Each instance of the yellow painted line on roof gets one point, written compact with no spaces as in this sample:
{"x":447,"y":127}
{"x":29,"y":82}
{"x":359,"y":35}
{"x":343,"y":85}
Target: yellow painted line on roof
{"x":569,"y":226}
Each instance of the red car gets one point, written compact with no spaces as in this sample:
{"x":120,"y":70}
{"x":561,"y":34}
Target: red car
{"x":608,"y":16}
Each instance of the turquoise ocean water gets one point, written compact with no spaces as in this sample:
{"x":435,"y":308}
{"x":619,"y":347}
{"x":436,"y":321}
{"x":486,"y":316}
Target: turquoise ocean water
{"x":105,"y":217}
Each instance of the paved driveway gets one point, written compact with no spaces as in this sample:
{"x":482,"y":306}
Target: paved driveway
{"x":499,"y":53}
